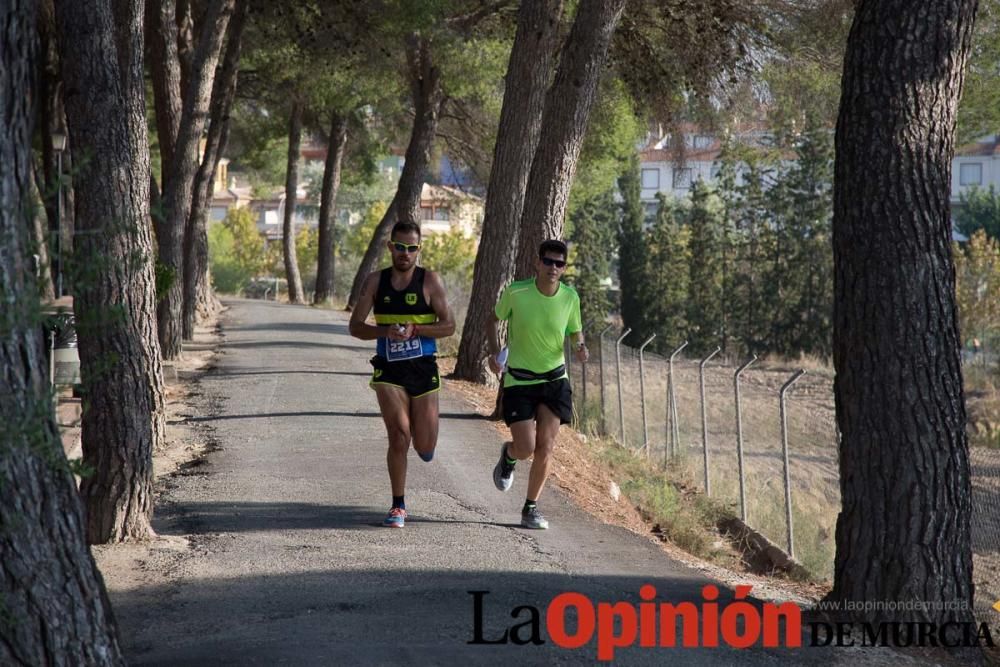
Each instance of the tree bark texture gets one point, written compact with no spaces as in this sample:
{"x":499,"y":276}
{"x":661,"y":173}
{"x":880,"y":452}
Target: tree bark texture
{"x":53,"y":606}
{"x":903,"y":531}
{"x":564,"y":125}
{"x":295,"y":292}
{"x":50,"y":118}
{"x":526,"y":82}
{"x":165,"y":73}
{"x":178,"y":179}
{"x":199,"y":300}
{"x":428,"y":96}
{"x":101,"y":45}
{"x":327,"y":204}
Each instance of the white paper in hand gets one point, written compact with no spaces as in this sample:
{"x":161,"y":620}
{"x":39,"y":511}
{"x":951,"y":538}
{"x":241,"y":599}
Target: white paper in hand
{"x":502,"y":358}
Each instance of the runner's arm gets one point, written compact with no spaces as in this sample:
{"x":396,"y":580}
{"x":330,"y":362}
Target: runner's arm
{"x":358,"y":325}
{"x":445,"y":325}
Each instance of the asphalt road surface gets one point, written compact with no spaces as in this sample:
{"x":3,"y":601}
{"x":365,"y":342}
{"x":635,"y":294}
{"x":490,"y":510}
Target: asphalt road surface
{"x":290,"y":565}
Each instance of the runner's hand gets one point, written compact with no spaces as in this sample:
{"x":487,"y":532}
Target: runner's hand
{"x":582,"y":355}
{"x":399,"y":332}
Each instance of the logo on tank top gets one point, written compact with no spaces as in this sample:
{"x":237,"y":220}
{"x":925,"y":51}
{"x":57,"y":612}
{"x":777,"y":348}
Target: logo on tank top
{"x":411,"y":298}
{"x":386,"y":300}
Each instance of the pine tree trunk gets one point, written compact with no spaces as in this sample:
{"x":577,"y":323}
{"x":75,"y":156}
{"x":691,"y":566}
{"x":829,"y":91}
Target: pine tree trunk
{"x":178,"y":179}
{"x":295,"y":292}
{"x":527,"y":79}
{"x":328,"y":199}
{"x":903,"y":532}
{"x":425,"y":86}
{"x":50,"y":117}
{"x":101,"y":44}
{"x":54,"y":607}
{"x":564,"y":124}
{"x":165,"y":74}
{"x":199,"y":300}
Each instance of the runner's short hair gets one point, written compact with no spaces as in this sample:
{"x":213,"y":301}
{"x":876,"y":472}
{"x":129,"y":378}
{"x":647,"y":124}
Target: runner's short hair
{"x":405,"y":227}
{"x":552,"y":245}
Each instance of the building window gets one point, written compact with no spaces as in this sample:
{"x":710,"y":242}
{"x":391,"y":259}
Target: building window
{"x":970,"y":174}
{"x":650,"y":179}
{"x":702,"y":141}
{"x":426,"y":213}
{"x":442,"y":214}
{"x":650,"y":210}
{"x":682,"y":179}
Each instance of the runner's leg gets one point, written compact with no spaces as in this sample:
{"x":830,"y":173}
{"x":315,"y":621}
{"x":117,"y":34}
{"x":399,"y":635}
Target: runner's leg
{"x":394,"y":404}
{"x":424,"y":412}
{"x":523,"y":435}
{"x":545,"y":439}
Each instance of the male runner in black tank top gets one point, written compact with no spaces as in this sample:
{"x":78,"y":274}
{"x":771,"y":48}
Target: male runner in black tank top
{"x":411,"y":312}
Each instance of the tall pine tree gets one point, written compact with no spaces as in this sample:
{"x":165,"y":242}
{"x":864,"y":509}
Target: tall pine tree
{"x":632,"y":254}
{"x":705,"y":306}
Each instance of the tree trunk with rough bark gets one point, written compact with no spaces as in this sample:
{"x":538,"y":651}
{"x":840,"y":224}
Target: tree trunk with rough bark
{"x":199,"y":300}
{"x":903,"y":531}
{"x":101,"y":47}
{"x":295,"y":291}
{"x":54,"y":607}
{"x":528,"y":74}
{"x":165,"y":74}
{"x":178,"y":179}
{"x":564,"y":125}
{"x":50,"y":119}
{"x":328,"y":199}
{"x":428,"y":96}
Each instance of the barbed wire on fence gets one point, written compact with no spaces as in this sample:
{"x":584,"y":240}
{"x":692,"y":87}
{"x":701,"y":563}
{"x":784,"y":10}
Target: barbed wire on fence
{"x":759,"y":438}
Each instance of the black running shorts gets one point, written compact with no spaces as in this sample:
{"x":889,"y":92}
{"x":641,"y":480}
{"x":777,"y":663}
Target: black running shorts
{"x":521,"y":401}
{"x":417,"y":376}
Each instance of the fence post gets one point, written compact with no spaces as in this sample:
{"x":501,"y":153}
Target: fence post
{"x":784,"y":454}
{"x":642,"y":396}
{"x":739,"y":438}
{"x":618,"y":372}
{"x":600,"y":359}
{"x":568,"y":360}
{"x":673,"y":433}
{"x":704,"y":416}
{"x":583,"y":365}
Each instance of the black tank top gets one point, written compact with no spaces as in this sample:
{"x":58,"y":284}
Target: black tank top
{"x":404,"y":306}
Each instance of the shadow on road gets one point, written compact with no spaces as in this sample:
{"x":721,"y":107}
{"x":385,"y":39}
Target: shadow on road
{"x":313,"y":413}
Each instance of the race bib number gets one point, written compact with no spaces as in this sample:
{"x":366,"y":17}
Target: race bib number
{"x":397,"y":350}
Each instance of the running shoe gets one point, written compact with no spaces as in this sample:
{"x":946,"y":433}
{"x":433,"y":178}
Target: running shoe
{"x":395,"y":518}
{"x":503,"y":472}
{"x":532,"y":518}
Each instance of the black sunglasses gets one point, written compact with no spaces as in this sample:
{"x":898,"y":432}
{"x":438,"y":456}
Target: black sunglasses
{"x":558,"y":263}
{"x":402,"y":247}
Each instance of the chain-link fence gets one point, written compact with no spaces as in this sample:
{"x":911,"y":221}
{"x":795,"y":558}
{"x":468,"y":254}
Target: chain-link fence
{"x":712,"y":441}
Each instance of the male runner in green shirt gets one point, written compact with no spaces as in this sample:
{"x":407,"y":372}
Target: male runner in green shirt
{"x":537,"y":398}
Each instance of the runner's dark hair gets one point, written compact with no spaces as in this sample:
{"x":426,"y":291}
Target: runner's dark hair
{"x":552,"y":245}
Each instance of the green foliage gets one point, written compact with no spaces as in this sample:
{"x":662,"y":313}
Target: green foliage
{"x":632,"y":255}
{"x":451,"y":254}
{"x":609,"y":146}
{"x":979,"y":110}
{"x":705,"y":307}
{"x":235,"y":250}
{"x":357,"y":239}
{"x":977,"y":289}
{"x":307,"y":253}
{"x":666,"y":278}
{"x":592,"y":241}
{"x":978,"y":209}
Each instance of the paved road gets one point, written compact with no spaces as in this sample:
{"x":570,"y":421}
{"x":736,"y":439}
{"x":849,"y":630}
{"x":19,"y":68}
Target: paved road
{"x":290,"y":565}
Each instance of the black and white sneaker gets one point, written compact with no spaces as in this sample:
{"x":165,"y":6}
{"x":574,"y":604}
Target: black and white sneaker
{"x":503,"y":472}
{"x":532,"y":518}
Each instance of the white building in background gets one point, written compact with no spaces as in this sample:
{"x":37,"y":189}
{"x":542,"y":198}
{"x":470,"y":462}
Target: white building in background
{"x":976,"y":165}
{"x":662,"y":172}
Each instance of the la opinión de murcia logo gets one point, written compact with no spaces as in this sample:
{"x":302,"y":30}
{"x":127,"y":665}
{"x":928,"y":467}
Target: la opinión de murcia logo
{"x":572,"y":620}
